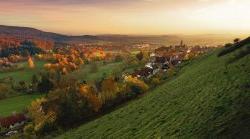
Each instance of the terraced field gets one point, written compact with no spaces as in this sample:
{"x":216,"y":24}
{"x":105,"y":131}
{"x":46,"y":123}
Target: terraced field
{"x":210,"y":98}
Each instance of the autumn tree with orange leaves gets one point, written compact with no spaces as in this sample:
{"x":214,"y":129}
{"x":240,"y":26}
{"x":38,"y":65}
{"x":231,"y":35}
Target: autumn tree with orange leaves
{"x":94,"y":100}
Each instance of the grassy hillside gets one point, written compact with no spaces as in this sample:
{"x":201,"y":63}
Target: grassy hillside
{"x":210,"y":98}
{"x":16,"y":104}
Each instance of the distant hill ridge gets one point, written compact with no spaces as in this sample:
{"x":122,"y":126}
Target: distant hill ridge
{"x":27,"y":33}
{"x":126,"y":40}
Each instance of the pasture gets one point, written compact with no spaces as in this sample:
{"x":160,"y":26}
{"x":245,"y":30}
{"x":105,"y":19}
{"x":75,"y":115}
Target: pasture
{"x":16,"y":104}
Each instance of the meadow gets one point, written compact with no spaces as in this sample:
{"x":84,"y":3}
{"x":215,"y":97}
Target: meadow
{"x":16,"y":104}
{"x":19,"y":103}
{"x":25,"y":73}
{"x":102,"y":70}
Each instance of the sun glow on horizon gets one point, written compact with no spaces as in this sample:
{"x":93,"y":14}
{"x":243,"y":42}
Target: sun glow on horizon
{"x":131,"y":17}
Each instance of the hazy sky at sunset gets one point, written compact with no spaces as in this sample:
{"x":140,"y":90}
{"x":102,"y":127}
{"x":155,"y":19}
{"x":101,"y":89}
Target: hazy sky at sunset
{"x":129,"y":16}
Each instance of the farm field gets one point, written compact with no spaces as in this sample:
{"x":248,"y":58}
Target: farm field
{"x":16,"y":104}
{"x":84,"y":72}
{"x":7,"y":106}
{"x":103,"y":70}
{"x":209,"y":98}
{"x":24,"y":74}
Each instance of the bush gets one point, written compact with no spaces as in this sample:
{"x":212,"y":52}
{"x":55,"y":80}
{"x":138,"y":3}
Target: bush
{"x":240,"y":54}
{"x":136,"y":85}
{"x":5,"y":91}
{"x":171,"y":72}
{"x":155,"y":81}
{"x":2,"y":129}
{"x":90,"y":95}
{"x":45,"y":85}
{"x":29,"y":130}
{"x":43,"y":120}
{"x":109,"y":89}
{"x":234,"y":47}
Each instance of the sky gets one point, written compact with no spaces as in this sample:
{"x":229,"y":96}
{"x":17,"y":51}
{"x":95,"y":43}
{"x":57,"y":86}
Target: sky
{"x":151,"y":17}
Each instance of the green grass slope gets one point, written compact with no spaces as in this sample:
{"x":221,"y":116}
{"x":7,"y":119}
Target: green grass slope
{"x":16,"y":104}
{"x":210,"y":98}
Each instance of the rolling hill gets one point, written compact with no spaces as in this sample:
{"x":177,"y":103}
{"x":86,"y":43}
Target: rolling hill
{"x":210,"y":98}
{"x":27,"y":33}
{"x":32,"y":33}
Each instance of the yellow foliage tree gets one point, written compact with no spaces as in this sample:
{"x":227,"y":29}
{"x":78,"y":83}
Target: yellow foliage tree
{"x":135,"y":81}
{"x":93,"y":99}
{"x":109,"y":89}
{"x":38,"y":116}
{"x":31,"y":63}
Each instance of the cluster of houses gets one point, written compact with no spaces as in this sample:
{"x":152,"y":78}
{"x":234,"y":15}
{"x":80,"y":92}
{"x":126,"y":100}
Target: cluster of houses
{"x":12,"y":124}
{"x":164,"y":58}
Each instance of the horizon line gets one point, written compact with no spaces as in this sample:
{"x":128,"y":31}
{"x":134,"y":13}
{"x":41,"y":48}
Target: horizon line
{"x":132,"y":34}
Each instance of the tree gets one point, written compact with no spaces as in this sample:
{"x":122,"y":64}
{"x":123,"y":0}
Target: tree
{"x":23,"y":85}
{"x":45,"y":85}
{"x":109,"y":89}
{"x":31,"y":63}
{"x":139,"y":56}
{"x":228,"y":45}
{"x":26,"y":48}
{"x":43,"y":121}
{"x":34,"y":83}
{"x":88,"y":92}
{"x":237,"y":40}
{"x":136,"y":85}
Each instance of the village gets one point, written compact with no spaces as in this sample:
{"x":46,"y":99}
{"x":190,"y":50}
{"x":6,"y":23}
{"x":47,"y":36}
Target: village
{"x":163,"y":58}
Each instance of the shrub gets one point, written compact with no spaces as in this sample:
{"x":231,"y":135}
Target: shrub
{"x":234,"y":47}
{"x":29,"y":130}
{"x":136,"y":85}
{"x":88,"y":92}
{"x":155,"y":81}
{"x":42,"y":120}
{"x":5,"y":91}
{"x":240,"y":54}
{"x":45,"y":85}
{"x":2,"y":129}
{"x":139,"y":56}
{"x":109,"y":89}
{"x":171,"y":72}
